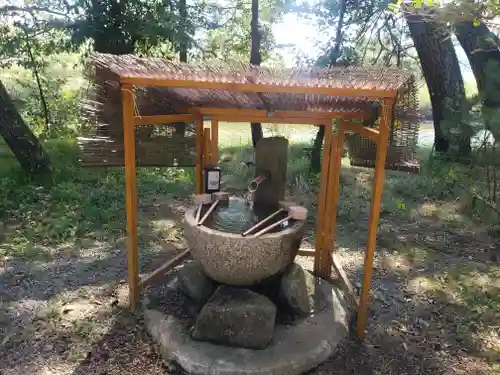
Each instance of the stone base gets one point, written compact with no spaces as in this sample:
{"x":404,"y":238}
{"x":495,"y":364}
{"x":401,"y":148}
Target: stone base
{"x":293,"y":350}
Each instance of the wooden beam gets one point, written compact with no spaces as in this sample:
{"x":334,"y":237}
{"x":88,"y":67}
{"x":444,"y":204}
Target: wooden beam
{"x":273,"y":120}
{"x":244,"y":112}
{"x":333,"y":189}
{"x":207,"y":156}
{"x":344,"y":280}
{"x":262,"y":88}
{"x":321,"y":250}
{"x":158,"y":273}
{"x":130,"y":194}
{"x":377,"y":186}
{"x":371,"y":133}
{"x":214,"y":144}
{"x":306,"y":252}
{"x":199,"y":155}
{"x":162,"y":119}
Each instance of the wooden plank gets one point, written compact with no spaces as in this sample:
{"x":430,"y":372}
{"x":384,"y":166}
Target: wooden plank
{"x":130,"y":194}
{"x":162,"y":119}
{"x":273,"y":120}
{"x":344,"y":280}
{"x":158,"y":273}
{"x":199,"y":155}
{"x":244,"y":112}
{"x":378,"y":183}
{"x":214,"y":144}
{"x":260,"y":88}
{"x":321,"y":250}
{"x":371,"y":133}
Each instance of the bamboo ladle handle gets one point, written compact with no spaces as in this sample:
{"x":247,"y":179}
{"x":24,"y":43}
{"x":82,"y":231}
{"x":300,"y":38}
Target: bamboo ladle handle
{"x":284,"y":206}
{"x":219,"y":196}
{"x":201,"y":199}
{"x":294,"y":212}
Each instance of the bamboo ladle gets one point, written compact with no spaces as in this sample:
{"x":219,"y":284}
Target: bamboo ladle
{"x":217,"y":197}
{"x":200,"y":200}
{"x":294,"y":212}
{"x":284,"y":205}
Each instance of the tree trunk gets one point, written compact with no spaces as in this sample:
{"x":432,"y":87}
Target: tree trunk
{"x":255,"y":59}
{"x":180,"y":128}
{"x":316,"y":149}
{"x":18,"y":136}
{"x":484,"y":58}
{"x":183,"y":45}
{"x":334,"y":56}
{"x":443,"y":77}
{"x":34,"y":67}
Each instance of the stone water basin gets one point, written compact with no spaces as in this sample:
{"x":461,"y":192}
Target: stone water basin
{"x":230,"y":258}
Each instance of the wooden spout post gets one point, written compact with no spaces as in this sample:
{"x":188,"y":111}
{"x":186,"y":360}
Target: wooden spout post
{"x":271,"y":156}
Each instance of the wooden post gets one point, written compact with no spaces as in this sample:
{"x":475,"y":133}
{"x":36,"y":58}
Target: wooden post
{"x":271,"y":155}
{"x":334,"y":185}
{"x":377,"y":186}
{"x":131,"y":193}
{"x":207,"y":149}
{"x":215,"y":141}
{"x":321,"y":258}
{"x":206,"y":153}
{"x":199,"y":155}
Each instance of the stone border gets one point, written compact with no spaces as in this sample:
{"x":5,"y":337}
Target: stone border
{"x":293,"y":350}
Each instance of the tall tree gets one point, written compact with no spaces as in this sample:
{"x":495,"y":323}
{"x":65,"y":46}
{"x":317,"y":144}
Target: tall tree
{"x":444,"y":80}
{"x":333,"y":56}
{"x":255,"y":59}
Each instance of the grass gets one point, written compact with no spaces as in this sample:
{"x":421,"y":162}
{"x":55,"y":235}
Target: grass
{"x":46,"y":219}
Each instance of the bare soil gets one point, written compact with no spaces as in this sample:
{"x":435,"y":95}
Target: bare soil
{"x":432,"y":306}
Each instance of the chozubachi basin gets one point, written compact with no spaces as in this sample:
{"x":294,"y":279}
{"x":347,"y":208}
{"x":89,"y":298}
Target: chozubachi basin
{"x":230,"y":258}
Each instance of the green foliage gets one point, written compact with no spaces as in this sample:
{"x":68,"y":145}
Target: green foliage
{"x":227,"y":36}
{"x":77,"y":203}
{"x":62,"y":82}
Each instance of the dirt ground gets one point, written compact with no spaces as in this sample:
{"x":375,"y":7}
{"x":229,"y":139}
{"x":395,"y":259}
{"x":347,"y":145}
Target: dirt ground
{"x":431,"y":309}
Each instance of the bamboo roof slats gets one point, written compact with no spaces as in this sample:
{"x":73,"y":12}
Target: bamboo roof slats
{"x":163,"y":87}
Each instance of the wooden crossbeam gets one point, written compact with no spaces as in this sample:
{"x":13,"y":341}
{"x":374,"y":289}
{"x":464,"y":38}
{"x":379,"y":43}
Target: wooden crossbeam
{"x":158,"y":273}
{"x":162,"y":119}
{"x":261,"y":88}
{"x":244,"y":112}
{"x":371,"y":133}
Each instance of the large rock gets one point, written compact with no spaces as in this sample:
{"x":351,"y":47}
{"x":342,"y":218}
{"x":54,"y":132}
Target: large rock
{"x":236,"y":317}
{"x":301,"y":292}
{"x":236,"y":260}
{"x":193,"y":282}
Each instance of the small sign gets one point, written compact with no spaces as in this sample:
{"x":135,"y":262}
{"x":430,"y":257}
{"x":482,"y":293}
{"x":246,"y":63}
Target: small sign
{"x":212,"y":179}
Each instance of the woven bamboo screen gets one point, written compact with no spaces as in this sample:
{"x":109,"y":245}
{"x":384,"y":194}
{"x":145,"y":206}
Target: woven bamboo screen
{"x":403,"y":139}
{"x":156,"y":145}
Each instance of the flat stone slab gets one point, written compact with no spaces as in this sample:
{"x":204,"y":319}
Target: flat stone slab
{"x":292,"y":351}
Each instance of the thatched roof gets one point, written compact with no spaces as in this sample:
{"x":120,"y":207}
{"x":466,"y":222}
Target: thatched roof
{"x":220,"y":85}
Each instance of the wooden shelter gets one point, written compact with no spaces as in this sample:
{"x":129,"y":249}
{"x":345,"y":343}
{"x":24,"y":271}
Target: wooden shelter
{"x":352,"y":96}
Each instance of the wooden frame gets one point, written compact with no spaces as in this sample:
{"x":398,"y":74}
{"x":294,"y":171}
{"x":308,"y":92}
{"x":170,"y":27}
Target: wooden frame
{"x":207,"y":153}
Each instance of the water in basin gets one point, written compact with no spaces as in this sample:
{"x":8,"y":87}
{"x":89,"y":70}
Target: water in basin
{"x":237,"y":216}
